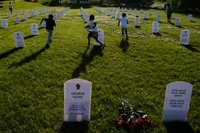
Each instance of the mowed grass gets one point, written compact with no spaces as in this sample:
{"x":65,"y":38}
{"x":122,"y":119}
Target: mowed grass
{"x":137,"y":69}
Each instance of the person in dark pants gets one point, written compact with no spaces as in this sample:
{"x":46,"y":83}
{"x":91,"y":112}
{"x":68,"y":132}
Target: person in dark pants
{"x":169,"y":12}
{"x":93,"y":31}
{"x":50,"y":24}
{"x":10,"y":7}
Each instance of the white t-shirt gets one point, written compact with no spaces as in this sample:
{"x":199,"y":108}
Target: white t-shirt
{"x":124,"y":22}
{"x":93,"y":28}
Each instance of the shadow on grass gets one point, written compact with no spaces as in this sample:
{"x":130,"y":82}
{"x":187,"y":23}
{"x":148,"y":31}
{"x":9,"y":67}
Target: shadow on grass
{"x":86,"y":59}
{"x":191,"y":47}
{"x":178,"y":127}
{"x":28,"y":58}
{"x":41,"y":28}
{"x":29,"y":36}
{"x":6,"y":54}
{"x":157,"y":34}
{"x":74,"y":127}
{"x":124,"y":44}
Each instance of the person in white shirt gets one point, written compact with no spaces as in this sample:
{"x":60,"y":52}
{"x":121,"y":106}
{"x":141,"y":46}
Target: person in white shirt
{"x":10,"y":7}
{"x":93,"y":31}
{"x":124,"y":24}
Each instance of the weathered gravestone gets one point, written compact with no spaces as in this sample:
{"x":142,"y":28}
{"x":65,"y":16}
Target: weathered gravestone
{"x":145,"y":17}
{"x":25,"y":17}
{"x":155,"y":27}
{"x":9,"y":15}
{"x":4,"y":23}
{"x":100,"y":37}
{"x":17,"y":19}
{"x":185,"y":37}
{"x":34,"y":29}
{"x":19,"y":39}
{"x":190,"y":17}
{"x":177,"y":21}
{"x":158,"y":17}
{"x":177,"y":100}
{"x":137,"y":22}
{"x":77,"y":100}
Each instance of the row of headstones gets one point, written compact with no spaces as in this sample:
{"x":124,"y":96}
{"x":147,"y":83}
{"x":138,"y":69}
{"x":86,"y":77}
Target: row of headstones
{"x":33,"y":13}
{"x":184,"y":35}
{"x":77,"y":101}
{"x":117,"y":15}
{"x":18,"y":36}
{"x":100,"y":31}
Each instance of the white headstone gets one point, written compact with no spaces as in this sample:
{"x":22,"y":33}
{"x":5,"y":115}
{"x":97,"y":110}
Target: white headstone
{"x":34,"y":29}
{"x":9,"y":14}
{"x":155,"y":27}
{"x":43,"y":24}
{"x":158,"y":17}
{"x":137,"y":21}
{"x":16,"y":14}
{"x":25,"y":16}
{"x":129,"y":11}
{"x":17,"y":19}
{"x":185,"y":37}
{"x":145,"y":16}
{"x":19,"y":39}
{"x":190,"y":17}
{"x":4,"y":23}
{"x":100,"y":37}
{"x":177,"y":100}
{"x":77,"y":100}
{"x":177,"y":21}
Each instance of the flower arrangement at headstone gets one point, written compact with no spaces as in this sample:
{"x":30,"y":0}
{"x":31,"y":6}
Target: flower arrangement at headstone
{"x":131,"y":118}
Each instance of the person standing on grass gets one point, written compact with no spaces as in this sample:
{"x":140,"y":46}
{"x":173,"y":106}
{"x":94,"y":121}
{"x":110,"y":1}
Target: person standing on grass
{"x":124,"y":24}
{"x":93,"y":31}
{"x":169,"y":12}
{"x":10,"y":7}
{"x":50,"y":24}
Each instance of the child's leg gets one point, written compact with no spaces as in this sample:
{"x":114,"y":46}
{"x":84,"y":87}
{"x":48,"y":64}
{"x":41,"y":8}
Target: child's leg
{"x":88,"y":37}
{"x":50,"y":32}
{"x":102,"y":45}
{"x":122,"y":31}
{"x":126,"y":32}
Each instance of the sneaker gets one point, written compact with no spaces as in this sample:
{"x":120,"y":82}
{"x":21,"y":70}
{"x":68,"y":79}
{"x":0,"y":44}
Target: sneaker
{"x":50,"y":41}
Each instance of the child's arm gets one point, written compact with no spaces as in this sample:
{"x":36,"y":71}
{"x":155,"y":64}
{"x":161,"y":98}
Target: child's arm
{"x":54,"y":23}
{"x":42,"y":20}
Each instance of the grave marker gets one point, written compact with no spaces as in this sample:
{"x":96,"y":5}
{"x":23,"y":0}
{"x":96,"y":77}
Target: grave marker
{"x":137,"y":22}
{"x":77,"y":100}
{"x":4,"y":23}
{"x":19,"y":39}
{"x":177,"y":21}
{"x":34,"y":29}
{"x":100,"y":38}
{"x":177,"y":100}
{"x":155,"y":27}
{"x":158,"y":17}
{"x":185,"y":37}
{"x":17,"y":19}
{"x":190,"y":17}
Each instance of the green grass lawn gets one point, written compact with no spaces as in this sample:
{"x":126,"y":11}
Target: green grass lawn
{"x":137,"y":69}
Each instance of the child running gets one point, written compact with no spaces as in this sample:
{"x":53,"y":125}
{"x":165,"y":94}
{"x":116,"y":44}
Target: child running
{"x":93,"y":31}
{"x":50,"y":23}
